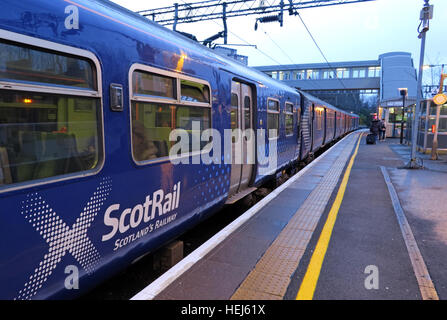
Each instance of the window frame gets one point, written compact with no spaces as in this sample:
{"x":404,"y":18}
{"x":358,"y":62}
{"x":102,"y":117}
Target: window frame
{"x":178,"y":101}
{"x":344,"y":73}
{"x":376,"y":69}
{"x":58,"y":48}
{"x":273,"y":112}
{"x":299,"y":75}
{"x":288,"y":113}
{"x":319,"y":120}
{"x":357,"y":73}
{"x":328,"y":74}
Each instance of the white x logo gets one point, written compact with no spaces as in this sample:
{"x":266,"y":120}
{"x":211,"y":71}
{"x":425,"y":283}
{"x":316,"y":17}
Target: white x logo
{"x":60,"y":237}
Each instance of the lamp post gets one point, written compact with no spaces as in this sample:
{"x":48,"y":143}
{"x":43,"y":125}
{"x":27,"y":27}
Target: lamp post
{"x":403,"y":92}
{"x":426,"y":15}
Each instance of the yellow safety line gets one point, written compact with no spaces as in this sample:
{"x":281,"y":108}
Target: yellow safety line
{"x":307,"y":288}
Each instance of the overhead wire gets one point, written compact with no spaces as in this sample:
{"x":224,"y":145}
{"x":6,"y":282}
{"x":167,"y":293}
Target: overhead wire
{"x":240,"y":38}
{"x":278,"y":46}
{"x":280,"y":64}
{"x":324,"y":56}
{"x":291,"y":60}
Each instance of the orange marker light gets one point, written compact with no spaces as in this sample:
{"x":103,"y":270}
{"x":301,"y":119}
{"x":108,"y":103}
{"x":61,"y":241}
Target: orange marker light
{"x":27,"y":101}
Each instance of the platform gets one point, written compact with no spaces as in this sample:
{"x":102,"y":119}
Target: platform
{"x":351,"y":225}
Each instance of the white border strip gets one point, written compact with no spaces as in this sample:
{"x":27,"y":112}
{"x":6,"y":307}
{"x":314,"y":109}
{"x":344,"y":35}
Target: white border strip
{"x":161,"y":283}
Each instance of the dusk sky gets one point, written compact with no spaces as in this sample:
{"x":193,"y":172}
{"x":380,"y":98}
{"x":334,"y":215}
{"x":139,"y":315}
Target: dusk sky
{"x":360,"y":31}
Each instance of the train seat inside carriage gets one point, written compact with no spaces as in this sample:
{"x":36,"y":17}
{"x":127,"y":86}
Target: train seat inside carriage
{"x":46,"y":136}
{"x":60,"y":156}
{"x":5,"y":170}
{"x":41,"y":155}
{"x":29,"y":152}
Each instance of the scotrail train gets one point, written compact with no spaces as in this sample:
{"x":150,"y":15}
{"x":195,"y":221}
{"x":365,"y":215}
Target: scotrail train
{"x":89,"y":94}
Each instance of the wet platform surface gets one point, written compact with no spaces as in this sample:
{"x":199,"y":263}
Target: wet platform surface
{"x":269,"y":255}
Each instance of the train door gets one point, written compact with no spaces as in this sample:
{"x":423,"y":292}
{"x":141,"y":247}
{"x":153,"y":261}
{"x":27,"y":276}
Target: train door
{"x":247,"y":143}
{"x":242,"y":146}
{"x":312,"y":127}
{"x":298,"y":124}
{"x":299,"y":140}
{"x":337,"y":124}
{"x":325,"y":125}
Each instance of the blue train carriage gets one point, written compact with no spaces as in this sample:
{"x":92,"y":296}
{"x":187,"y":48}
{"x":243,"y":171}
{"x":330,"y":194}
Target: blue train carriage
{"x":322,"y":123}
{"x":275,"y":115}
{"x":89,"y":93}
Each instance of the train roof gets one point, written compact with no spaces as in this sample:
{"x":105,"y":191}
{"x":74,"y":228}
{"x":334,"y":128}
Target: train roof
{"x":228,"y":64}
{"x":311,"y":97}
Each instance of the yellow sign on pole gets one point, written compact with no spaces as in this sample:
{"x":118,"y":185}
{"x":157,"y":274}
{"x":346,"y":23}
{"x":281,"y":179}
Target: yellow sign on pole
{"x":440,"y":98}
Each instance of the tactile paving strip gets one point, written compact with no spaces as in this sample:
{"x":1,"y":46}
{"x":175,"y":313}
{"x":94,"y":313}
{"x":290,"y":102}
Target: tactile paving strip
{"x":271,"y":276}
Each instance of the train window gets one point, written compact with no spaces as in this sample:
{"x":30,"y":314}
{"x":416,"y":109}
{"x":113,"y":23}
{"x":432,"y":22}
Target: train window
{"x":247,"y":113}
{"x":153,"y":122}
{"x":328,"y":119}
{"x":145,"y":83}
{"x":46,"y":135}
{"x":234,"y":111}
{"x":194,"y":92}
{"x":28,"y":64}
{"x":288,"y":114}
{"x":273,"y":118}
{"x":319,"y":116}
{"x":273,"y":124}
{"x":273,"y":105}
{"x":153,"y":119}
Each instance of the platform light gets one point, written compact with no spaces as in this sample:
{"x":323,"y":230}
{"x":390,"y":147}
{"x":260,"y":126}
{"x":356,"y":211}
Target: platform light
{"x":403,"y":92}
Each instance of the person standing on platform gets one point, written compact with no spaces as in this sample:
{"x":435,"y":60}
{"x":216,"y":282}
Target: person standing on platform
{"x":375,"y":127}
{"x":382,"y":134}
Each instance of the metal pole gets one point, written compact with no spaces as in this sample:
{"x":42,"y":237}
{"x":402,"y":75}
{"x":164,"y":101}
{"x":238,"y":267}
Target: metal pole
{"x":224,"y":18}
{"x":174,"y":27}
{"x":413,"y":164}
{"x":402,"y":121}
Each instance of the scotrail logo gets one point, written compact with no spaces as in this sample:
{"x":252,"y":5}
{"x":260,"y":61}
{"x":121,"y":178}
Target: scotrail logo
{"x":159,"y":206}
{"x":61,"y":238}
